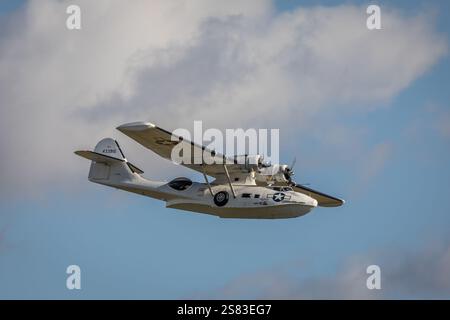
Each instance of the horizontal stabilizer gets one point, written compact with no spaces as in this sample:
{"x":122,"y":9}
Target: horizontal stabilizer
{"x":101,"y":158}
{"x":97,"y":157}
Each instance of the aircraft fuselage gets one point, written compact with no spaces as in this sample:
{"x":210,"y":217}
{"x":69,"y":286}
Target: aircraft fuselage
{"x":250,"y":201}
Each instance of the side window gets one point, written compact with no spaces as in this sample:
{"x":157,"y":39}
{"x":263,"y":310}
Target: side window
{"x":180,"y":184}
{"x":257,"y":195}
{"x":246,"y":195}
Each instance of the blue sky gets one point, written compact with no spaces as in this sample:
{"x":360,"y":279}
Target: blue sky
{"x":397,"y":212}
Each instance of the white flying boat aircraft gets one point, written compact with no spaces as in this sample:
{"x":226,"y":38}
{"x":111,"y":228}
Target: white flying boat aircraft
{"x":243,"y":186}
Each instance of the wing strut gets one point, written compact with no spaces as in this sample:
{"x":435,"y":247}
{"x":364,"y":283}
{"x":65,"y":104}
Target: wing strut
{"x":207,"y":182}
{"x":229,"y":179}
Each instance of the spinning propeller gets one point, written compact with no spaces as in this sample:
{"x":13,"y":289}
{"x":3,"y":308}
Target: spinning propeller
{"x":288,"y":172}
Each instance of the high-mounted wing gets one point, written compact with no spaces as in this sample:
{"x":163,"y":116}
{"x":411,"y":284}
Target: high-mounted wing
{"x":323,"y":199}
{"x":162,"y":142}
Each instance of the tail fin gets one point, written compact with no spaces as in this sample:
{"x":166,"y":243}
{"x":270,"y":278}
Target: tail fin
{"x":109,"y":164}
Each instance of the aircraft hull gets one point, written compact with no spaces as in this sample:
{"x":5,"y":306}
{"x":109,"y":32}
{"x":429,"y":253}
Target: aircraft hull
{"x":264,"y":212}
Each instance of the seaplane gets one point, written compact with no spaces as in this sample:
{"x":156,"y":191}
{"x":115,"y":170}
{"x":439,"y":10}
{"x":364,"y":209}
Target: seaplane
{"x":244,"y":187}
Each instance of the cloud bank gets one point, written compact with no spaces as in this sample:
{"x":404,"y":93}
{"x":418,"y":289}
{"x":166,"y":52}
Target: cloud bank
{"x":230,"y":64}
{"x":420,"y":273}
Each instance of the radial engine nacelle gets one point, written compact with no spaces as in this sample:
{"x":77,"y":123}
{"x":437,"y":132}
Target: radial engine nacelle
{"x":250,"y":162}
{"x":264,"y":171}
{"x":274,"y":173}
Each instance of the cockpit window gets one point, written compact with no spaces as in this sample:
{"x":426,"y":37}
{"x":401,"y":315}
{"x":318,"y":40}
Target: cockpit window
{"x":180,"y":184}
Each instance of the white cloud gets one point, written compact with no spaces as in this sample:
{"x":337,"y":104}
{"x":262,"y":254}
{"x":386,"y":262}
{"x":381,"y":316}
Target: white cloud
{"x":230,"y":64}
